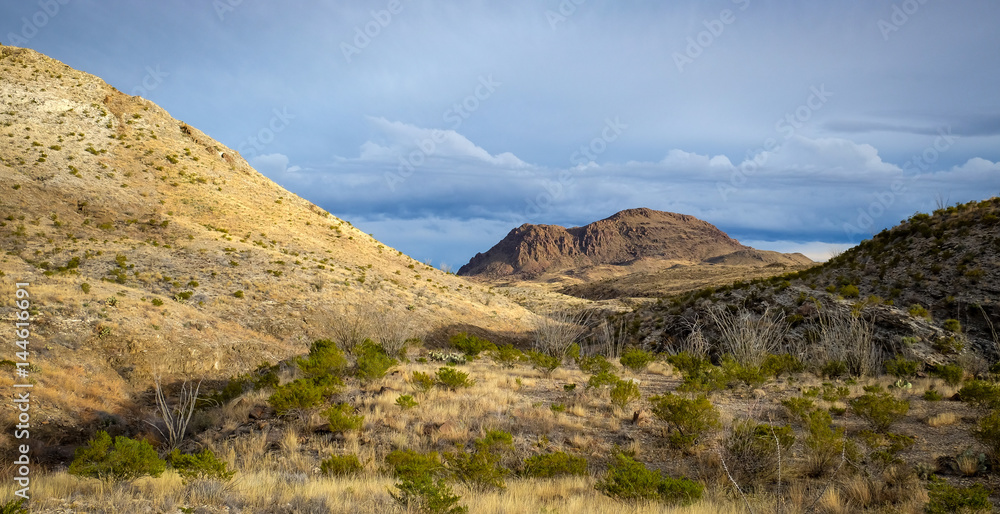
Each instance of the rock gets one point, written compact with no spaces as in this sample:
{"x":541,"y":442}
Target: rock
{"x":260,"y":412}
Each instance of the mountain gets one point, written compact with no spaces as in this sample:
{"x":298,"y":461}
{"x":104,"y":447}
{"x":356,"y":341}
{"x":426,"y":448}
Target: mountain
{"x":151,"y":248}
{"x":625,"y":238}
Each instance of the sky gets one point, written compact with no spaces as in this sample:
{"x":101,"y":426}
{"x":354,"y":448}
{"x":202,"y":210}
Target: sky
{"x":439,"y":126}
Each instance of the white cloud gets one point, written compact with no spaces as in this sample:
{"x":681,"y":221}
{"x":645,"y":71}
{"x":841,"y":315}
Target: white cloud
{"x":816,"y":250}
{"x":273,"y":164}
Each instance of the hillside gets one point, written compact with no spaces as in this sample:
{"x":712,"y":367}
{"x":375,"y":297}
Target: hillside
{"x":909,"y":279}
{"x":153,"y":249}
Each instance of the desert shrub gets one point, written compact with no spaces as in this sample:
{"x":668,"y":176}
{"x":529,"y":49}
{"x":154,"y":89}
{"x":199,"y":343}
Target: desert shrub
{"x":604,"y":378}
{"x":123,"y":459}
{"x":408,"y":463}
{"x":506,"y":356}
{"x":471,"y":345}
{"x":630,"y":480}
{"x":373,"y":362}
{"x":341,"y":465}
{"x":85,"y":287}
{"x":932,"y":395}
{"x":982,"y":395}
{"x":453,"y":379}
{"x":425,"y":495}
{"x":203,"y":465}
{"x":948,"y":345}
{"x":751,"y":451}
{"x":15,"y":506}
{"x":324,"y":358}
{"x":238,"y":294}
{"x":636,"y":359}
{"x":952,"y":325}
{"x":689,"y":419}
{"x":595,"y":364}
{"x":834,"y":369}
{"x":406,"y":401}
{"x":951,"y":373}
{"x":699,"y":375}
{"x":776,"y":364}
{"x":919,"y":311}
{"x":342,"y":418}
{"x":423,"y":382}
{"x":543,"y":362}
{"x":987,"y":432}
{"x":901,"y":367}
{"x":824,"y":442}
{"x":751,"y":376}
{"x":302,"y":394}
{"x":883,"y":448}
{"x":624,"y":392}
{"x":949,"y":499}
{"x":798,"y":406}
{"x":156,"y":302}
{"x":481,"y":469}
{"x":548,"y":465}
{"x":880,"y":409}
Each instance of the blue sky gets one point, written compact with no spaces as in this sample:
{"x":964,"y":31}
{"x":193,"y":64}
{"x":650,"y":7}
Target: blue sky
{"x":439,"y":126}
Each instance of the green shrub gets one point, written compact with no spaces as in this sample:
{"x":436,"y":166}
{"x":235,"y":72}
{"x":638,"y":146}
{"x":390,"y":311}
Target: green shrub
{"x":932,"y":395}
{"x":85,"y":287}
{"x":203,"y":465}
{"x":506,"y":356}
{"x":324,"y":359}
{"x":125,"y":459}
{"x":952,"y":325}
{"x":636,"y":359}
{"x":479,"y":470}
{"x":948,"y":345}
{"x":951,"y":373}
{"x":699,"y":373}
{"x":238,"y":294}
{"x":825,"y":443}
{"x":373,"y":362}
{"x":987,"y":432}
{"x":302,"y":394}
{"x":834,"y":369}
{"x":604,"y":378}
{"x":408,"y":463}
{"x":689,"y":419}
{"x":595,"y":364}
{"x":630,"y":480}
{"x":471,"y":345}
{"x":453,"y":379}
{"x":919,"y":311}
{"x":342,"y":418}
{"x":750,"y":375}
{"x":948,"y":499}
{"x":406,"y":401}
{"x":156,"y":302}
{"x":425,"y":495}
{"x":901,"y":367}
{"x":543,"y":362}
{"x":15,"y":506}
{"x":798,"y":406}
{"x":850,"y":291}
{"x":423,"y":382}
{"x":776,"y":364}
{"x":623,"y":393}
{"x":341,"y":465}
{"x":548,"y":465}
{"x":883,"y":448}
{"x":982,"y":395}
{"x":880,"y":409}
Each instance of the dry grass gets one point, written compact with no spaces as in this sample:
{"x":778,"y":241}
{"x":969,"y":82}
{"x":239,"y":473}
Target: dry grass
{"x":943,"y":419}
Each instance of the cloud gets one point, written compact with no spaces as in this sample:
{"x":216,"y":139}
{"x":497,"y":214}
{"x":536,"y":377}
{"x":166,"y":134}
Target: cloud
{"x":818,"y":251}
{"x":273,"y":164}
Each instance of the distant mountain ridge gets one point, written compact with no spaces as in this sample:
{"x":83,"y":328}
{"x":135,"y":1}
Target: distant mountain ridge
{"x":623,"y":238}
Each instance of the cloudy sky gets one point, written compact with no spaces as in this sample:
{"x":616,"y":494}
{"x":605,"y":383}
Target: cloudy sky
{"x":440,"y":125}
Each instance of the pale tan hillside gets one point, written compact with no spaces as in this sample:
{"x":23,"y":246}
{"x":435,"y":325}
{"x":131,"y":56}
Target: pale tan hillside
{"x":197,"y":264}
